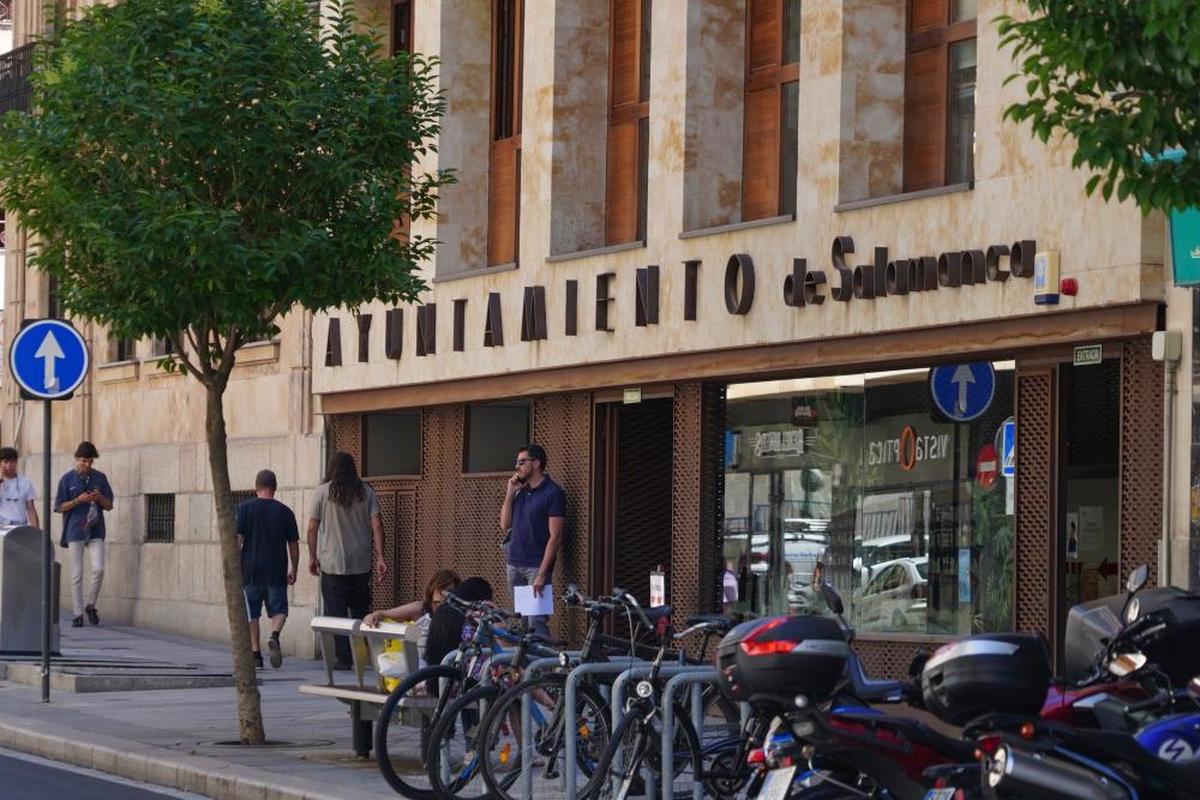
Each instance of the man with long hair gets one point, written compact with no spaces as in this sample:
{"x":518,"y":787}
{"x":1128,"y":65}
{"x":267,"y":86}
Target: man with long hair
{"x":344,"y":529}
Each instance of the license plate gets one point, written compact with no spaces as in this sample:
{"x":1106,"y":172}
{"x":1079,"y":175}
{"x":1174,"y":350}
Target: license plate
{"x":777,"y":784}
{"x":939,"y":794}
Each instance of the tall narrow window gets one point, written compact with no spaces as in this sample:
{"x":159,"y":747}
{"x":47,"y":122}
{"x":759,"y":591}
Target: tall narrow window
{"x":402,"y":22}
{"x":504,"y":167}
{"x":939,"y":94}
{"x":402,"y":42}
{"x":628,"y":122}
{"x":772,"y":108}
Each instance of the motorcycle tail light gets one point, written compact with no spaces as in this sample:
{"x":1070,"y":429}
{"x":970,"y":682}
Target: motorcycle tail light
{"x":1027,"y":730}
{"x":752,"y":647}
{"x":767,"y":648}
{"x":756,"y":756}
{"x":989,"y":744}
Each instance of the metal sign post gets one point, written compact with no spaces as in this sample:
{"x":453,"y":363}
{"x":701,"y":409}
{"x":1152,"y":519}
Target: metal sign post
{"x":48,"y":359}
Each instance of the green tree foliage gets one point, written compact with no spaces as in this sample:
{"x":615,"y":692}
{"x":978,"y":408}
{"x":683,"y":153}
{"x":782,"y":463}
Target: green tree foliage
{"x":194,"y":169}
{"x":1121,"y":78}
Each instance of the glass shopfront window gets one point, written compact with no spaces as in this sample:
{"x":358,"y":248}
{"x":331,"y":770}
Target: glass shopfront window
{"x":860,"y":481}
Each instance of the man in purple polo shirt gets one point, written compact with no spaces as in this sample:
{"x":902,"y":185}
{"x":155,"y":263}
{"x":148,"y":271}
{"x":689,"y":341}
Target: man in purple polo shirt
{"x":535,"y":508}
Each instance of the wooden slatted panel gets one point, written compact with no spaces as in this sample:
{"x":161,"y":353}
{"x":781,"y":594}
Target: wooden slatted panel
{"x":1035,"y":498}
{"x":763,"y":35}
{"x":1140,"y":509}
{"x":621,"y":224}
{"x":926,"y":14}
{"x":760,"y":168}
{"x":624,"y":52}
{"x":925,"y":119}
{"x":503,"y":186}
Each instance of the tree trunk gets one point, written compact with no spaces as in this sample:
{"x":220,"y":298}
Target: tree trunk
{"x":250,"y":725}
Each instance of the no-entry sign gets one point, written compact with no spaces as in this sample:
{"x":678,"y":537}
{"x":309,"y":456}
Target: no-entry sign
{"x":987,"y":466}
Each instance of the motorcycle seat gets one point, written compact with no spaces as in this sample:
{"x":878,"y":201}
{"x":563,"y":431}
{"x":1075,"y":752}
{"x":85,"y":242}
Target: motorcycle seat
{"x":869,"y":690}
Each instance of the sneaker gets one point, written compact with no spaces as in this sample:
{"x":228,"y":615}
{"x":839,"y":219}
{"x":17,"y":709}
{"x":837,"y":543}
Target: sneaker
{"x":77,"y":622}
{"x":275,"y":651}
{"x":258,"y":662}
{"x":93,"y":615}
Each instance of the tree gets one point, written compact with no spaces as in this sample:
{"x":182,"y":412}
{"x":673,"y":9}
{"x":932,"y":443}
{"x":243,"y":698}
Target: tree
{"x":197,"y":168}
{"x":1121,"y":78}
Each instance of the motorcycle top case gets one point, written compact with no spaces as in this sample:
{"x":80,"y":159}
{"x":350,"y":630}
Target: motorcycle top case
{"x":781,"y":657}
{"x":989,"y":673}
{"x":1173,"y":650}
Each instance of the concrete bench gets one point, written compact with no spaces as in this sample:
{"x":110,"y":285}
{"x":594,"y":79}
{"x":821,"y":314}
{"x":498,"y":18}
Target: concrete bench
{"x":362,"y":688}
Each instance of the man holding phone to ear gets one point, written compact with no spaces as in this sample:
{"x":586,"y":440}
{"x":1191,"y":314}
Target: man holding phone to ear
{"x":535,"y":508}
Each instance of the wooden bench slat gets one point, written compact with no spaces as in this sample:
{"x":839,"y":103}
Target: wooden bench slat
{"x":345,"y":693}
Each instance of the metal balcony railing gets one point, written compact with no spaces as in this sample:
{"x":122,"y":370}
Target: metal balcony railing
{"x":16,"y":66}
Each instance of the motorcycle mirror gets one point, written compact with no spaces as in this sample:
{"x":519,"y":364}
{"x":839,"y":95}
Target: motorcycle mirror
{"x":1137,"y":579}
{"x":832,"y":599}
{"x":1132,"y":609}
{"x":1126,"y":664}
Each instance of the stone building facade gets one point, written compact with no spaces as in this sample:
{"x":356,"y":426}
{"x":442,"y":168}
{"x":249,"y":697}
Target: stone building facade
{"x":668,"y":214}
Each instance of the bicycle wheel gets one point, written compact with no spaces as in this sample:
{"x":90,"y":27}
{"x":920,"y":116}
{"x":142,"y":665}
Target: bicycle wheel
{"x":452,"y":760}
{"x":636,"y":745}
{"x":501,"y":750}
{"x":402,"y":729}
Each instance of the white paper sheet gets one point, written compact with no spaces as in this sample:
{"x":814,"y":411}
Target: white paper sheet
{"x":527,"y":605}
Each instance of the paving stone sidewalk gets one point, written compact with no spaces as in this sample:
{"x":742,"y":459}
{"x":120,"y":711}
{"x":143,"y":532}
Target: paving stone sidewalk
{"x":171,"y":737}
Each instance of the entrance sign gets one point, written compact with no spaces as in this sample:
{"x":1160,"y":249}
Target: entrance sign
{"x":986,"y":467}
{"x":963,"y":391}
{"x":1088,"y":355}
{"x":48,"y":359}
{"x":1008,"y":448}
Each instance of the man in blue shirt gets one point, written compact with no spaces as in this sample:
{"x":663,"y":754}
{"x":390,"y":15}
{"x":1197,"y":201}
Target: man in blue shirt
{"x":268,"y":535}
{"x":535,"y":509}
{"x":83,"y":497}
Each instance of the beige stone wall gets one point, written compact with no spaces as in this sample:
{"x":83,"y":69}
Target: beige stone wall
{"x":848,"y":150}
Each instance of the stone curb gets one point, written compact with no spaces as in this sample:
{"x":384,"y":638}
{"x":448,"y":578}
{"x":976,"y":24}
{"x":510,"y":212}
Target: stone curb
{"x":222,"y":780}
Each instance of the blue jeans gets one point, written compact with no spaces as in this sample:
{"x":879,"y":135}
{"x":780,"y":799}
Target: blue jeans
{"x":524,"y":576}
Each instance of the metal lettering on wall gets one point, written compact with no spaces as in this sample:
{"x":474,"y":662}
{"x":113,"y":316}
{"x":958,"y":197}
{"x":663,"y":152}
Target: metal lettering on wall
{"x":802,"y":287}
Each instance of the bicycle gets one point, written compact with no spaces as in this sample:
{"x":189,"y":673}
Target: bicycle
{"x":500,"y":728}
{"x":429,"y":691}
{"x":454,"y":772}
{"x":636,"y":741}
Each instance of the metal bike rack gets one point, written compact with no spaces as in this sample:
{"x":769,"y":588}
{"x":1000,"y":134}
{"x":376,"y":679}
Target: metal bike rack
{"x":693,"y":678}
{"x":618,"y":699}
{"x":572,"y":734}
{"x":535,"y":666}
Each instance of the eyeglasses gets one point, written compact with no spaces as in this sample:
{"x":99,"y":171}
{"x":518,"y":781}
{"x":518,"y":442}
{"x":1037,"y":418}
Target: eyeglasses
{"x":521,"y":461}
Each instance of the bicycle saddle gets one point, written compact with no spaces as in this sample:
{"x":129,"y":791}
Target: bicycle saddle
{"x":717,"y":620}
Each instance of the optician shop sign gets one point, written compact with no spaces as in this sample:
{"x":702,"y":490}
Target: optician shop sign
{"x":880,"y":277}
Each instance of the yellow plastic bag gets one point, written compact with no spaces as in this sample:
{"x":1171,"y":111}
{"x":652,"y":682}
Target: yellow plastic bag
{"x":391,"y":663}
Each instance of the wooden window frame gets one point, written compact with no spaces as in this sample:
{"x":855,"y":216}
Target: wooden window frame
{"x":402,"y":7}
{"x":365,"y":429}
{"x":937,"y":37}
{"x":624,"y":171}
{"x":465,"y":452}
{"x":771,"y":77}
{"x":504,"y":148}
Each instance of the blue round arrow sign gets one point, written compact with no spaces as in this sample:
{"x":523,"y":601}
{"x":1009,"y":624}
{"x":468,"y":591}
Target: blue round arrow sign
{"x":963,"y":391}
{"x":48,"y":359}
